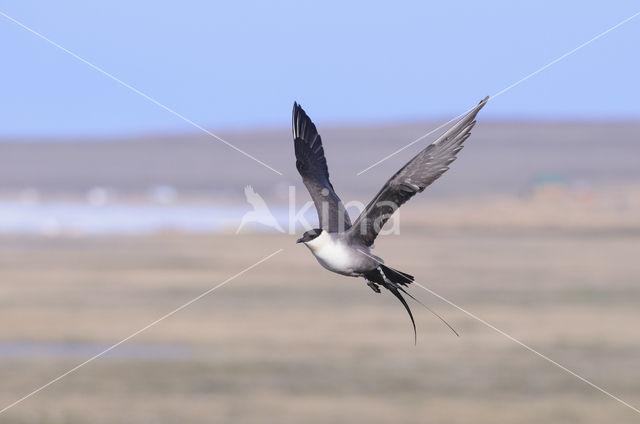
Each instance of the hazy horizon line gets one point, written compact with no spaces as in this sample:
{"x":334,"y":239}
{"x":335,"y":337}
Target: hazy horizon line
{"x":273,"y":128}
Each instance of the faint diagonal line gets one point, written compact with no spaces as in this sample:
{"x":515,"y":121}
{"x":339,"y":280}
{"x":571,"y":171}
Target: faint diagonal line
{"x":146,"y":327}
{"x":513,"y":339}
{"x":530,"y":349}
{"x":140,"y":93}
{"x":504,"y":90}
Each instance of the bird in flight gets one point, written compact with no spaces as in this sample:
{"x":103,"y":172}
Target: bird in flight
{"x":345,"y":248}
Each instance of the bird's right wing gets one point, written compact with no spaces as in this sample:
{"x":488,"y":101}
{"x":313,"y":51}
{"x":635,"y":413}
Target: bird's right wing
{"x":426,"y":167}
{"x":312,"y":166}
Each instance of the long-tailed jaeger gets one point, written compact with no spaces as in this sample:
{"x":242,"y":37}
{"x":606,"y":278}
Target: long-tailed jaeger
{"x":345,"y":248}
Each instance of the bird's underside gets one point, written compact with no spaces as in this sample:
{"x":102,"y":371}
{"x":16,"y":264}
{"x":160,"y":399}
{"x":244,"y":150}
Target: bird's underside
{"x":344,"y":248}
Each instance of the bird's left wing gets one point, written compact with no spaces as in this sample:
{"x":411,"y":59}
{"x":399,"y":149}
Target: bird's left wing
{"x":426,"y":167}
{"x":312,"y":166}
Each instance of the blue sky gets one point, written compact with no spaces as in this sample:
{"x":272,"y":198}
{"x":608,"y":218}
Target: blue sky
{"x":236,"y":65}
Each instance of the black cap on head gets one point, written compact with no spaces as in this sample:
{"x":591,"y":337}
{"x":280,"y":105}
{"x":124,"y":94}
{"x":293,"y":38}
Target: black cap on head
{"x":309,"y":235}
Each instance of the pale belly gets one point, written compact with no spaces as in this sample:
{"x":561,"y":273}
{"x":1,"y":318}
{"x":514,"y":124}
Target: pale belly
{"x":340,"y":259}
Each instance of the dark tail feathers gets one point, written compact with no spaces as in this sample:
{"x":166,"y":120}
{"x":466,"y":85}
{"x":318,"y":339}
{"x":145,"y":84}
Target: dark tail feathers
{"x":396,"y":280}
{"x":397,"y":277}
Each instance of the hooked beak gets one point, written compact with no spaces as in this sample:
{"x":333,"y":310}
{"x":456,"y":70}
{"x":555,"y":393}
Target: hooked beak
{"x":300,"y":240}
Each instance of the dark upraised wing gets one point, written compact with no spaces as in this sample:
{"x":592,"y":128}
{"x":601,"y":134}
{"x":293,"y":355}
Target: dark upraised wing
{"x":312,"y":166}
{"x":414,"y":177}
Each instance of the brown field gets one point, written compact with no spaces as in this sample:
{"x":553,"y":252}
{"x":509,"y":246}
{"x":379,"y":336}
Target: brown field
{"x":288,"y":343}
{"x":536,"y":230}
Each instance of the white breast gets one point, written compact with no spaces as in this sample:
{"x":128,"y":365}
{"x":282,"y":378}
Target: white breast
{"x":332,"y":254}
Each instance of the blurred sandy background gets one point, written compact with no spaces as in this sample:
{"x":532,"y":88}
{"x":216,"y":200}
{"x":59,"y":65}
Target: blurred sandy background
{"x":536,"y":229}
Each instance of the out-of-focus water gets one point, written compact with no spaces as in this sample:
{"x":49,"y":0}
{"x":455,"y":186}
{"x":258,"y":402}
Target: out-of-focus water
{"x":58,"y":218}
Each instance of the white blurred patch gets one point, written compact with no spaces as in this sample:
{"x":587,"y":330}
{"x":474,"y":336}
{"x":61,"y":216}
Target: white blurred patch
{"x":163,"y":194}
{"x":98,"y":196}
{"x":51,"y":227}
